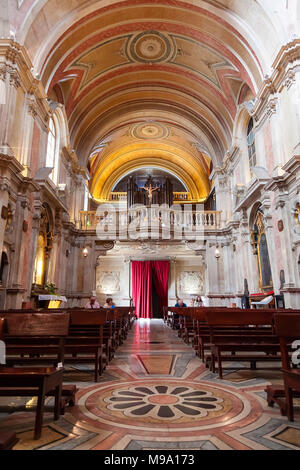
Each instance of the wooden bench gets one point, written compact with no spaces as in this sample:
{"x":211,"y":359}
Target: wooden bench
{"x":276,"y":394}
{"x":7,"y":440}
{"x":124,"y":316}
{"x":244,"y":341}
{"x":68,"y":394}
{"x":41,"y":380}
{"x":85,"y":341}
{"x":177,"y":321}
{"x":200,"y":332}
{"x":288,"y":330}
{"x":35,"y":338}
{"x":2,"y":320}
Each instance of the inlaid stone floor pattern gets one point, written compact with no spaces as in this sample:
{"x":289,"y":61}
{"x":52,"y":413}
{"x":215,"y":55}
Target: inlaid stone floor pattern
{"x":156,"y":394}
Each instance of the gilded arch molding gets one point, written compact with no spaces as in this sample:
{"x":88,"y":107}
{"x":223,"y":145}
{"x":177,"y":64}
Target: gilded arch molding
{"x":181,"y":163}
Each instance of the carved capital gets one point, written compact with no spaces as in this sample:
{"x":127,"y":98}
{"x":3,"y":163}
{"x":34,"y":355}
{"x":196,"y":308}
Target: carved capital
{"x":14,"y":79}
{"x":37,"y":210}
{"x":31,"y":106}
{"x":272,"y":106}
{"x":290,"y":79}
{"x":3,"y":72}
{"x":24,"y":203}
{"x":4,"y":184}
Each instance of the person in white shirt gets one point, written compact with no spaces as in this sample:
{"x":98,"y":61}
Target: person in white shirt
{"x":92,"y":303}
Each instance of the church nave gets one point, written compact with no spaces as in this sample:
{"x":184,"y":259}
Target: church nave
{"x":156,"y":394}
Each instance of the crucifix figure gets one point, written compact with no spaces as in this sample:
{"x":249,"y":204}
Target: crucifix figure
{"x":150,"y":190}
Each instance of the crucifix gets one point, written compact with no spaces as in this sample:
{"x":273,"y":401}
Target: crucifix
{"x":150,"y":190}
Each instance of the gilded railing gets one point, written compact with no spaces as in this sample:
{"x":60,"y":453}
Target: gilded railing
{"x":177,"y":196}
{"x":118,"y":197}
{"x":181,"y":196}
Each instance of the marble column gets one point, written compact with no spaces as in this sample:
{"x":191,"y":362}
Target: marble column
{"x":9,"y":75}
{"x":269,"y":230}
{"x":36,"y":217}
{"x":4,"y":197}
{"x":18,"y":290}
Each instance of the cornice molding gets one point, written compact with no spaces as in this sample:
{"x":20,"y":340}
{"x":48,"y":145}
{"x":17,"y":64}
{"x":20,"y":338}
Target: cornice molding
{"x":285,"y":66}
{"x":15,"y":62}
{"x":71,"y":159}
{"x":10,"y":163}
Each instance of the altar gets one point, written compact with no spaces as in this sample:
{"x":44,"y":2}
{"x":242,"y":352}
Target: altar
{"x":51,"y":301}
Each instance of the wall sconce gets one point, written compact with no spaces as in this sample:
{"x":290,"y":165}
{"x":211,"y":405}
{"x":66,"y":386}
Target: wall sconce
{"x":85,"y":252}
{"x":217,"y":253}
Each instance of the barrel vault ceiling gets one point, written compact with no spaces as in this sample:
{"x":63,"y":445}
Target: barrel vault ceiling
{"x":144,"y":82}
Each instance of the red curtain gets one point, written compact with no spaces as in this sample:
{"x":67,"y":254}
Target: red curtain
{"x":160,"y":273}
{"x":142,"y":274}
{"x":142,"y":288}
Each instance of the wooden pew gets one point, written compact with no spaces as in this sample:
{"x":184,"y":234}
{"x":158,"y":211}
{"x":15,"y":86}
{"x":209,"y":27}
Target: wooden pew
{"x":110,"y":333}
{"x":125,"y":314}
{"x":35,"y":337}
{"x":178,"y":318}
{"x":7,"y":440}
{"x":202,"y":331}
{"x":2,"y":320}
{"x":122,"y":317}
{"x":82,"y":345}
{"x":288,"y":330}
{"x":243,"y":340}
{"x":41,"y":380}
{"x":197,"y":329}
{"x":165,"y":315}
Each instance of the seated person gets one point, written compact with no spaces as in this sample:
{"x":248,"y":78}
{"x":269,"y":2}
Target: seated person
{"x":92,"y":303}
{"x":198,"y":302}
{"x":179,"y":303}
{"x":109,"y":303}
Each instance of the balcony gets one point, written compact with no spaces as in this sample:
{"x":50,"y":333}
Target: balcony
{"x":118,"y":197}
{"x":150,"y":222}
{"x":178,"y":197}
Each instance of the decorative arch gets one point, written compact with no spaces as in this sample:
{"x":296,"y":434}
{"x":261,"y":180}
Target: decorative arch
{"x":147,"y":167}
{"x":136,"y":155}
{"x":58,"y":138}
{"x":240,"y":138}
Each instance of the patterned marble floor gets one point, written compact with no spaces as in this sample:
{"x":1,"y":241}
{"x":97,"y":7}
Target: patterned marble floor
{"x":156,"y":394}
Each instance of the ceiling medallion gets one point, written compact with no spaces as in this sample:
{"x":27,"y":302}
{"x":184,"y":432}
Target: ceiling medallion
{"x":148,"y":131}
{"x":151,"y":47}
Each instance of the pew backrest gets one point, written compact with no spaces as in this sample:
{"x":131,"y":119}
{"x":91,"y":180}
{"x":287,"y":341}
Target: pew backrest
{"x":232,"y":317}
{"x":37,"y":324}
{"x":287,"y":328}
{"x":89,"y":317}
{"x":287,"y":325}
{"x":2,"y":320}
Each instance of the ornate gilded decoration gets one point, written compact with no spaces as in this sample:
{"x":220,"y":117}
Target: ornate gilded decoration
{"x":297,"y":214}
{"x":260,"y":248}
{"x":44,"y":246}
